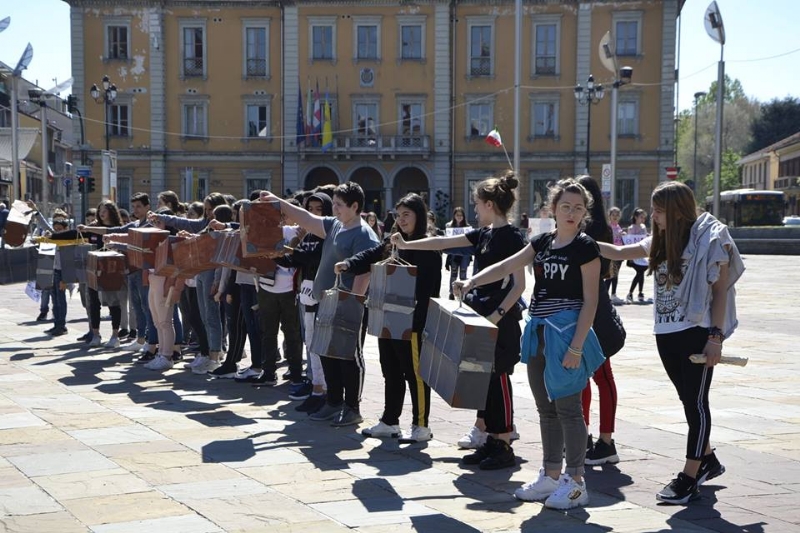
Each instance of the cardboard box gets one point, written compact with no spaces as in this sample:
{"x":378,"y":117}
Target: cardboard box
{"x":337,"y":326}
{"x":142,"y":246}
{"x":391,"y":301}
{"x":165,"y":258}
{"x":45,"y":260}
{"x":229,"y":254}
{"x":17,"y":224}
{"x":261,"y":230}
{"x":457,"y":353}
{"x":17,"y":265}
{"x":194,"y":255}
{"x":106,"y":270}
{"x":72,"y":259}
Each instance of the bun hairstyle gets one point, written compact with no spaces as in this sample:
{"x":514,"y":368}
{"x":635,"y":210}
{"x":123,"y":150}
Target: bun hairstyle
{"x":499,"y":190}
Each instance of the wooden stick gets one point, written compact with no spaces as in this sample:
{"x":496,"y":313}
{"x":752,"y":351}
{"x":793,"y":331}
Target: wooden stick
{"x":700,"y":359}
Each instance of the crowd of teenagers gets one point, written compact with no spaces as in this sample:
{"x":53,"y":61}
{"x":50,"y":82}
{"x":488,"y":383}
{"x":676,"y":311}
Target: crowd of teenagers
{"x":565,"y":335}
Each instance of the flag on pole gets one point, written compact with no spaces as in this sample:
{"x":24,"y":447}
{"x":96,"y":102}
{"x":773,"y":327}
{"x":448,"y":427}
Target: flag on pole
{"x":301,"y":123}
{"x":327,"y":132}
{"x":494,"y":138}
{"x":309,"y":115}
{"x":316,"y":122}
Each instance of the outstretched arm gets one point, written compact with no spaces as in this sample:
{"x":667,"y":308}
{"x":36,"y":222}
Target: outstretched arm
{"x":511,"y":265}
{"x":622,"y":253}
{"x":308,"y":221}
{"x":431,"y":243}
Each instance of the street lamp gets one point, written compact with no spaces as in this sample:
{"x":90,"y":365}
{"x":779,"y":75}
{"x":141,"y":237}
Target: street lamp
{"x":107,"y":97}
{"x":591,"y":95}
{"x":716,"y":30}
{"x":697,"y":96}
{"x":624,"y":77}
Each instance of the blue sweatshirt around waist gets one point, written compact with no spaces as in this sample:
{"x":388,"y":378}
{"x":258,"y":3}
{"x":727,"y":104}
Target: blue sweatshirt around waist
{"x":558,"y":332}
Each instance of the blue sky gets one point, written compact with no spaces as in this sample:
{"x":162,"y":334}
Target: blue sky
{"x":755,"y":30}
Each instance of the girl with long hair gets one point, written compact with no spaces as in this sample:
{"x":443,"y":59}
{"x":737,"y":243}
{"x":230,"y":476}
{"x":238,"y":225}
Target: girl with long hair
{"x":457,"y":262}
{"x":637,"y":227}
{"x":558,"y":345}
{"x":495,"y":241}
{"x":400,"y":358}
{"x":372,"y":222}
{"x":107,"y":216}
{"x":695,"y":264}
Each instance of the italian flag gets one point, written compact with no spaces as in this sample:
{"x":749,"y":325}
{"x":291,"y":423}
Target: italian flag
{"x":494,"y":138}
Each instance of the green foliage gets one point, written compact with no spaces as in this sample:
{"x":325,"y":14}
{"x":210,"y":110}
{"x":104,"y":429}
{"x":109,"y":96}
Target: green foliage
{"x":733,"y":91}
{"x":730,"y":175}
{"x":778,"y":119}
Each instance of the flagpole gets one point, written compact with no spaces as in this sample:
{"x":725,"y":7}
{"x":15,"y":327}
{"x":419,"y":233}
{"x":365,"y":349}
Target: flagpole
{"x":517,"y":70}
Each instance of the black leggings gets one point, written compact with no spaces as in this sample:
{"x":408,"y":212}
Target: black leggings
{"x":612,"y":282}
{"x":638,"y":279}
{"x":94,"y":311}
{"x":692,"y":381}
{"x":400,"y":367}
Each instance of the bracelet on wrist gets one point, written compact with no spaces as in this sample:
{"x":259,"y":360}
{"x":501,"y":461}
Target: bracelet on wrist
{"x":714,"y":343}
{"x":575,"y":351}
{"x":715,"y":332}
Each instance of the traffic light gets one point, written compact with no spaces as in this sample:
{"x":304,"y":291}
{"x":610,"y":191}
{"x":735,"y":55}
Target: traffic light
{"x":81,"y":184}
{"x":72,"y":103}
{"x":90,"y":184}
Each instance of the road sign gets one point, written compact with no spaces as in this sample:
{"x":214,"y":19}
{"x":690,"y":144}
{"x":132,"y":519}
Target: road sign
{"x":67,"y":182}
{"x":83,"y":170}
{"x":606,"y":175}
{"x":672,"y":172}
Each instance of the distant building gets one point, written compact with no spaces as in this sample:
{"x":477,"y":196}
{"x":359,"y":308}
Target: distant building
{"x":775,"y":167}
{"x":210,"y":93}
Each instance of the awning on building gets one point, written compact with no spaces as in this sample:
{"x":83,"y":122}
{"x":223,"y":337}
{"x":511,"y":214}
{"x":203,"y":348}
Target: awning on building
{"x":27,"y":138}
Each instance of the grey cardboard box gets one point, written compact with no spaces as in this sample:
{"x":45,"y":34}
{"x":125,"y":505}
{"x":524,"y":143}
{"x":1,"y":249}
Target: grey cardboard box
{"x":337,"y":327}
{"x":391,"y":301}
{"x":457,"y":353}
{"x":17,"y":265}
{"x":44,"y":268}
{"x":73,"y":262}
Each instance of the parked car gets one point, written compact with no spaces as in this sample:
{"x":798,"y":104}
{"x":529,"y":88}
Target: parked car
{"x":791,"y":221}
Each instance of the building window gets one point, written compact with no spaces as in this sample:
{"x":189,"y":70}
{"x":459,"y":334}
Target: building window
{"x":545,"y":118}
{"x":479,"y":119}
{"x":119,"y":121}
{"x":411,"y":42}
{"x":118,"y":43}
{"x":193,"y":49}
{"x":367,"y":38}
{"x":627,"y":33}
{"x":628,"y":119}
{"x":625,"y":192}
{"x":257,"y":181}
{"x":546,"y":49}
{"x":257,"y":120}
{"x":194,"y":120}
{"x":411,"y":124}
{"x":365,"y":118}
{"x":480,"y":50}
{"x":322,"y":38}
{"x":256,"y":48}
{"x":540,"y":183}
{"x":124,"y":192}
{"x":194,"y":184}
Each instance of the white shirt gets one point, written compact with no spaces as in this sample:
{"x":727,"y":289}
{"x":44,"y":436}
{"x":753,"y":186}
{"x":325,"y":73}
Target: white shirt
{"x":284,"y":277}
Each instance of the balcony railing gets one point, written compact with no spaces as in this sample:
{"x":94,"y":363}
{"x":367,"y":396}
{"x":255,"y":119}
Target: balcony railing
{"x":480,"y":66}
{"x":192,"y":66}
{"x":257,"y":67}
{"x":380,"y":145}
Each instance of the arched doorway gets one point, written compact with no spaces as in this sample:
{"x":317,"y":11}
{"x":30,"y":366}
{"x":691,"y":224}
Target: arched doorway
{"x":320,"y":176}
{"x":371,"y":181}
{"x":411,"y":179}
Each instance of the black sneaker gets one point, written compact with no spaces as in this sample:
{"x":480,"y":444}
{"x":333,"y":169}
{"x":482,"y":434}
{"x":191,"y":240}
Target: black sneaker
{"x":300,"y":391}
{"x":710,"y":467}
{"x":42,"y":317}
{"x":57,"y":332}
{"x":87,"y":337}
{"x":602,"y":453}
{"x":501,"y":457}
{"x":226,"y":371}
{"x":123,"y":333}
{"x":680,"y":490}
{"x":132,"y":335}
{"x":589,"y":443}
{"x":177,"y":356}
{"x":312,"y":404}
{"x":146,"y":357}
{"x":480,"y":453}
{"x":287,"y":375}
{"x":265,"y":380}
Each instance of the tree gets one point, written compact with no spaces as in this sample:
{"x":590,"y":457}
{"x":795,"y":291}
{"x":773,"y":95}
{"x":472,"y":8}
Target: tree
{"x":739,"y":113}
{"x":730,"y":175}
{"x":778,"y":119}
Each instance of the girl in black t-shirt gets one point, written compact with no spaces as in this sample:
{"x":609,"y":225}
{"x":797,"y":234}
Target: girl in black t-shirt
{"x":566,"y":266}
{"x":494,"y":242}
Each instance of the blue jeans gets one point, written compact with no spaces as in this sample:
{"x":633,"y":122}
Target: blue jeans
{"x":44,"y":303}
{"x":59,"y":301}
{"x":139,"y":294}
{"x":249,"y":298}
{"x":209,"y":310}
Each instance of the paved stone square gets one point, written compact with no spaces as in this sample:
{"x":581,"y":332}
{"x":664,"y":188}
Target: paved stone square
{"x":90,"y":442}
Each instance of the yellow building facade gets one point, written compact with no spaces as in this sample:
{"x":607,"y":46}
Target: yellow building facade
{"x":231,"y":95}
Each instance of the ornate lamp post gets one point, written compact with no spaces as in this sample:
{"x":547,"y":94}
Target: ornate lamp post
{"x":592,"y":94}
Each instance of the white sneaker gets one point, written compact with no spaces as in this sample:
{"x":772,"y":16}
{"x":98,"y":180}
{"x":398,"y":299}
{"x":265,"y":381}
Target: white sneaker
{"x":381,"y":430}
{"x":212,"y":365}
{"x":514,"y":433}
{"x":616,"y":300}
{"x":568,"y":495}
{"x":537,"y":490}
{"x":248,"y":375}
{"x":113,"y":342}
{"x":95,"y":342}
{"x":475,"y":438}
{"x":134,"y":346}
{"x":197,"y":361}
{"x":161,"y":362}
{"x":416,"y":434}
{"x":204,"y":368}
